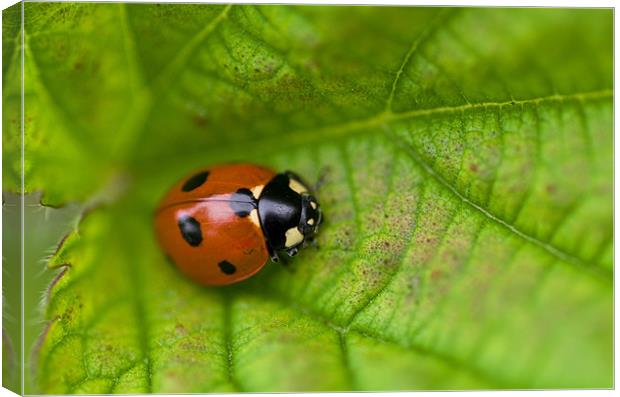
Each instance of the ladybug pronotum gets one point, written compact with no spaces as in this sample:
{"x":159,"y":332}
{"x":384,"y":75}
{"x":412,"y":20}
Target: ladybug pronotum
{"x":220,"y":225}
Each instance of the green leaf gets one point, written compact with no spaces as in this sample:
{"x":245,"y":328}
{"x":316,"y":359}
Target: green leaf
{"x":468,"y":204}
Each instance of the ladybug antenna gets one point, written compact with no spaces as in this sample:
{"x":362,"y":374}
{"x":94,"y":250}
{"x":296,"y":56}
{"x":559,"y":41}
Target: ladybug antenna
{"x":325,"y":170}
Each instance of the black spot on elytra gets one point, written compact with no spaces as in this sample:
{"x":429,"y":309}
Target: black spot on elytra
{"x":195,"y":181}
{"x":227,"y":267}
{"x":190,"y":230}
{"x":242,"y":202}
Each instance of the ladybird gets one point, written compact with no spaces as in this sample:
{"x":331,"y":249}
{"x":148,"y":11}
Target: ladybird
{"x":221,"y":224}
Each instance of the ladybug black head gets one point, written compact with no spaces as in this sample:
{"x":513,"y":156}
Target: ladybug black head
{"x":311,"y":216}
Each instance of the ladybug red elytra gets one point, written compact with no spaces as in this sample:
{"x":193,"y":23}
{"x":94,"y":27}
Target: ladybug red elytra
{"x":221,"y":224}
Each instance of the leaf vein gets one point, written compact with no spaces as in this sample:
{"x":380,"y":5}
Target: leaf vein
{"x":419,"y":40}
{"x":346,"y":362}
{"x":447,"y":359}
{"x":599,"y":273}
{"x":228,"y":342}
{"x":392,"y":276}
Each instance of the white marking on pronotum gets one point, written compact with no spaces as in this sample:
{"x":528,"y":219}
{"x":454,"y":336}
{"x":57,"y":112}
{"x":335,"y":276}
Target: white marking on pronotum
{"x":254,"y":217}
{"x":293,"y":237}
{"x":296,"y":186}
{"x":311,"y":221}
{"x":313,"y":205}
{"x":257,"y":190}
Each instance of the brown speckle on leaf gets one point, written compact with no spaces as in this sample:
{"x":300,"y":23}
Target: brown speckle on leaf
{"x":180,"y":329}
{"x":200,"y":120}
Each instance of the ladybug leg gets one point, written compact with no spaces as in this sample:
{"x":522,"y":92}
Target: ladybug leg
{"x":286,"y":264}
{"x":273,"y":254}
{"x":292,"y":251}
{"x":311,"y":241}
